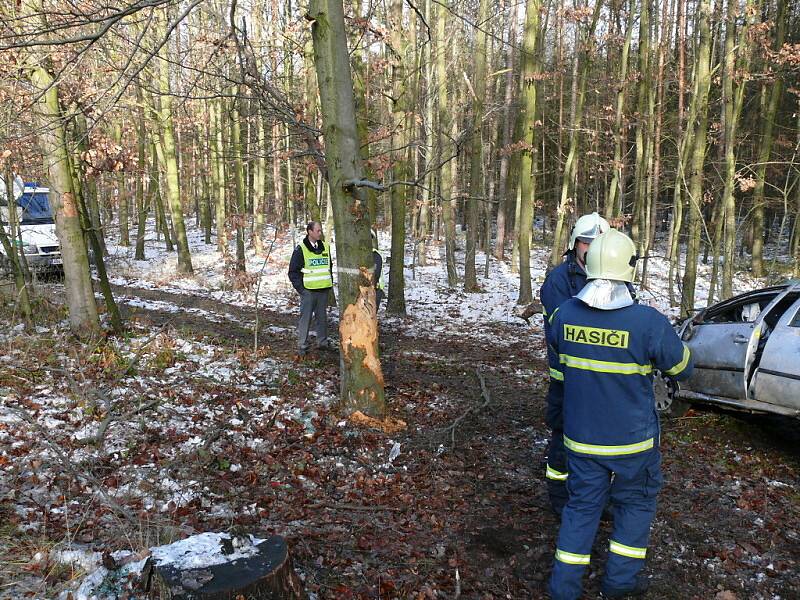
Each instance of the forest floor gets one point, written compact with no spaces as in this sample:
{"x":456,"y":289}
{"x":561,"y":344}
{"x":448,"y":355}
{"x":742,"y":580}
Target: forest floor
{"x":180,"y":426}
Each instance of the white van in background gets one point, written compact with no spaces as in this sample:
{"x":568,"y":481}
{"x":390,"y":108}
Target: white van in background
{"x":37,"y":227}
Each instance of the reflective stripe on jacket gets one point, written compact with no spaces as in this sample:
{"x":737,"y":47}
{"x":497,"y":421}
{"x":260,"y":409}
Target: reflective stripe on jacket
{"x":561,"y":284}
{"x":606,"y":359}
{"x":317,"y":268}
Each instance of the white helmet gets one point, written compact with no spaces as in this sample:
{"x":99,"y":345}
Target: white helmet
{"x":612,"y":256}
{"x":587,"y":228}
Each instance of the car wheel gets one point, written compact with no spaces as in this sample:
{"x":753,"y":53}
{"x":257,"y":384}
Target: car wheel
{"x":666,"y":404}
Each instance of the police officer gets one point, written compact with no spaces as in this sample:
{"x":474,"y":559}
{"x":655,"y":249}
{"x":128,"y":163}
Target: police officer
{"x":311,"y":274}
{"x":608,"y":347}
{"x":378,"y":274}
{"x":562,"y":283}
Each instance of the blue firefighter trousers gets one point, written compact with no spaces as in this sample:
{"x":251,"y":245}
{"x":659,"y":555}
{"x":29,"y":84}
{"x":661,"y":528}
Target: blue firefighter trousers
{"x":632,"y":483}
{"x":556,"y":473}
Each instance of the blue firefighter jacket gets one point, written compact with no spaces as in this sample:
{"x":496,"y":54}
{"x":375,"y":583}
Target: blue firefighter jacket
{"x":607,"y":358}
{"x":561,"y":284}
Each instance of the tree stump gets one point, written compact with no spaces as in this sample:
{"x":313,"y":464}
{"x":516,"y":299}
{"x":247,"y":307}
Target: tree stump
{"x":243,"y":571}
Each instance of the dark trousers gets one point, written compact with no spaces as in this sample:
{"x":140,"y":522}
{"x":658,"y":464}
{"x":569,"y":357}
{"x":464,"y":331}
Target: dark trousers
{"x":632,"y":483}
{"x":313,"y":303}
{"x":379,"y":296}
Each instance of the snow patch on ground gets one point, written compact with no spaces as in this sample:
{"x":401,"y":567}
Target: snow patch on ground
{"x":185,"y":402}
{"x":433,"y":309}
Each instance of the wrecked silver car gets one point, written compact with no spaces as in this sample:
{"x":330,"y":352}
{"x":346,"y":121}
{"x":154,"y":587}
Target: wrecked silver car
{"x":746,"y":354}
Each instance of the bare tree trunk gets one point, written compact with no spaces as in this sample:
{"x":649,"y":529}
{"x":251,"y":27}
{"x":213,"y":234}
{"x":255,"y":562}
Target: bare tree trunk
{"x":359,"y":58}
{"x":795,"y":246}
{"x":765,"y":149}
{"x":259,"y":185}
{"x":717,"y":223}
{"x":169,"y":162}
{"x":310,"y":190}
{"x":650,"y":200}
{"x":673,"y":244}
{"x":23,"y":297}
{"x":575,"y":123}
{"x":141,"y":200}
{"x":526,"y":169}
{"x":423,"y":224}
{"x":361,"y":374}
{"x":400,"y":107}
{"x":122,"y":196}
{"x":447,"y":131}
{"x":476,"y":179}
{"x":733,"y":97}
{"x":655,"y":192}
{"x":236,"y":150}
{"x":207,"y":183}
{"x":94,"y":242}
{"x":614,"y":199}
{"x":508,"y":123}
{"x":218,"y":173}
{"x":698,"y":154}
{"x":642,"y":157}
{"x":77,"y":280}
{"x":517,"y":220}
{"x":85,"y":188}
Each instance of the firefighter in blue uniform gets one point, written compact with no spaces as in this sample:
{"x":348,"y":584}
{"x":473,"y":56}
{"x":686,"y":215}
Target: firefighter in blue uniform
{"x":561,"y":284}
{"x":608,"y":347}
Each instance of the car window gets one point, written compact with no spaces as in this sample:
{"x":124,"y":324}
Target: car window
{"x":771,"y":320}
{"x":744,"y":311}
{"x":795,"y":322}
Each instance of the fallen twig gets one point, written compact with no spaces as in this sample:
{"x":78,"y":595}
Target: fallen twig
{"x":97,"y":485}
{"x":99,"y":437}
{"x":111,"y":407}
{"x":486,"y":400}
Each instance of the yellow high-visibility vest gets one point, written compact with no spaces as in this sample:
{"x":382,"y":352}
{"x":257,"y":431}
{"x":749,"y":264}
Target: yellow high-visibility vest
{"x":316,"y":268}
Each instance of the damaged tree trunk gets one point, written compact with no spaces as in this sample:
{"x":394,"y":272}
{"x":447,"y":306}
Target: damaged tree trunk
{"x":83,"y":318}
{"x":361,"y":374}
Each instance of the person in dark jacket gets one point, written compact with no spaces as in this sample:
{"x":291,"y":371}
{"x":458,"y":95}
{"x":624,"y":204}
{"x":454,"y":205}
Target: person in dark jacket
{"x":311,"y":274}
{"x":608,"y":347}
{"x":561,"y":284}
{"x":376,"y":256}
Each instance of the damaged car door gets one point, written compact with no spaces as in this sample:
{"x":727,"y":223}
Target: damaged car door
{"x":775,"y":371}
{"x":720,"y":339}
{"x":746,"y":352}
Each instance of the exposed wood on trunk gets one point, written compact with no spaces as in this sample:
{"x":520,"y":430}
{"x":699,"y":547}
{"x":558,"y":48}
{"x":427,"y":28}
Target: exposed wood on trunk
{"x":83,"y":317}
{"x":361,"y":374}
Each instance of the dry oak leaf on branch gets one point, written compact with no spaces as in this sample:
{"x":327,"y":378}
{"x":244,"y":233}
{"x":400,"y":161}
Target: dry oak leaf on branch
{"x":387,"y":425}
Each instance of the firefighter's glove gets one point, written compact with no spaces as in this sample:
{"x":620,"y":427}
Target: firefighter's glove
{"x":672,"y":385}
